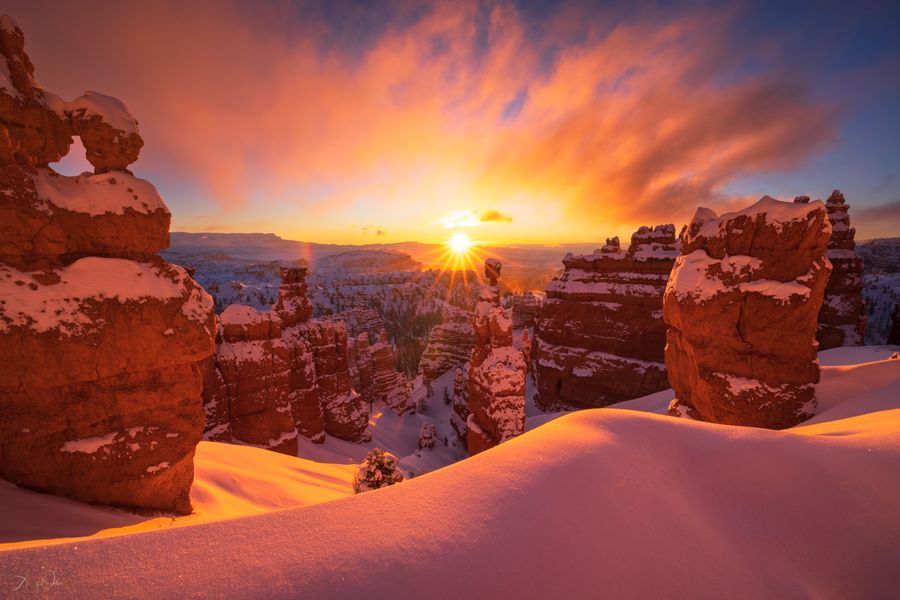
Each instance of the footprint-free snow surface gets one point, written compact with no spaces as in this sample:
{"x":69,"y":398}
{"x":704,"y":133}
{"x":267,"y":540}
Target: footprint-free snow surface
{"x":595,"y":503}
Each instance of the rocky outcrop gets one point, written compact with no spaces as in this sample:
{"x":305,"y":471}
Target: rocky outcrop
{"x":600,"y":336}
{"x":388,"y":385}
{"x":496,"y":378}
{"x":742,"y":306}
{"x":361,"y":320}
{"x":449,"y":344}
{"x":842,"y":320}
{"x":525,"y":347}
{"x":277,"y":374}
{"x":253,"y":360}
{"x":524,"y":310}
{"x":359,"y":360}
{"x":36,"y":126}
{"x":460,"y":413}
{"x":346,"y":412}
{"x":101,"y":341}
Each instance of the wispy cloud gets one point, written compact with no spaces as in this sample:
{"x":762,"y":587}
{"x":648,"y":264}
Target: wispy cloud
{"x":604,"y":120}
{"x":464,"y":219}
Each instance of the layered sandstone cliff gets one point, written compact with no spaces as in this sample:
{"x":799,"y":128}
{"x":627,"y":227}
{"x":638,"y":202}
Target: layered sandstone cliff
{"x":742,"y":306}
{"x":100,"y":339}
{"x":449,"y":344}
{"x":496,"y":377}
{"x":842,"y":320}
{"x":600,"y":336}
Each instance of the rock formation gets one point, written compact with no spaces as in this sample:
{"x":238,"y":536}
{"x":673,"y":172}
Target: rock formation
{"x":496,"y":378}
{"x":600,"y":336}
{"x":842,"y":320}
{"x":346,"y":412}
{"x":359,"y":360}
{"x":277,"y":373}
{"x":460,"y":413}
{"x":253,"y":362}
{"x":742,"y":306}
{"x":388,"y":385}
{"x":449,"y":344}
{"x":360,"y":320}
{"x":525,"y":347}
{"x":100,"y":339}
{"x":524,"y":310}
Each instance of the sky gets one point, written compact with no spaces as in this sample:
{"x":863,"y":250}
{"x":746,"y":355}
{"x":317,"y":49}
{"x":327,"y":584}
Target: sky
{"x":518,"y":122}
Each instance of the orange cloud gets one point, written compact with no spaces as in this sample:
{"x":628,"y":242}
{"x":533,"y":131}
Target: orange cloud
{"x":631,"y":123}
{"x":494,"y":216}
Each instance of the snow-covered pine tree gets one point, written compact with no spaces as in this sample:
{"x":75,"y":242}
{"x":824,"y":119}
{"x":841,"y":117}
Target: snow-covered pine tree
{"x":377,"y":470}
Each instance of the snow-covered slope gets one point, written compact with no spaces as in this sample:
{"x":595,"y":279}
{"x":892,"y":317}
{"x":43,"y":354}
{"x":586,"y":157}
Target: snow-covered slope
{"x":229,"y":481}
{"x":596,"y":503}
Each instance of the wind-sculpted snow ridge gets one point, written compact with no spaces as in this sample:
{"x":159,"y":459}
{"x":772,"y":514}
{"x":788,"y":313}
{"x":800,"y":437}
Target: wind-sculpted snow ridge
{"x":599,"y":337}
{"x":742,"y":305}
{"x":763,"y":513}
{"x":277,"y":374}
{"x":99,"y":337}
{"x":496,"y":375}
{"x":842,"y":320}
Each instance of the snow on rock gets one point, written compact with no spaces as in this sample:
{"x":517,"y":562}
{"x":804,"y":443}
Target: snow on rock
{"x":742,"y":304}
{"x":825,"y":491}
{"x":599,"y":337}
{"x":111,"y":110}
{"x":276,"y":373}
{"x":100,"y":345}
{"x":63,"y":299}
{"x":496,"y":375}
{"x":99,"y":337}
{"x":38,"y":126}
{"x":49,"y":217}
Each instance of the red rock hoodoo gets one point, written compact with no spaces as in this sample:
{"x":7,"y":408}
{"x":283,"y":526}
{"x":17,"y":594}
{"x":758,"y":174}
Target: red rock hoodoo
{"x":842,"y":320}
{"x":449,"y":344}
{"x":460,"y":413}
{"x":388,"y":385}
{"x":277,"y":374}
{"x":373,"y":374}
{"x":100,"y":339}
{"x":742,"y":305}
{"x":496,"y":377}
{"x":600,"y":336}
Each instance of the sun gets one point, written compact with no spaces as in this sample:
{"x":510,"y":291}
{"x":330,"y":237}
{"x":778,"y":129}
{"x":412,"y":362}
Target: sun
{"x":459,"y":243}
